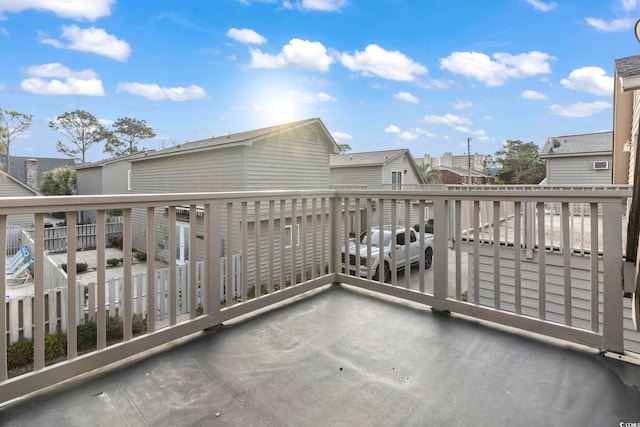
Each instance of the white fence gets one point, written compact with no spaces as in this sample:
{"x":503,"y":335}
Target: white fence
{"x":20,"y":309}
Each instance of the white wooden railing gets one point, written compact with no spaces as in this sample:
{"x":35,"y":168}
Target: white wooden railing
{"x":534,"y":293}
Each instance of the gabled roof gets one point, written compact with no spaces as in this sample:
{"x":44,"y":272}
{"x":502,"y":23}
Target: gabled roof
{"x":578,"y":145}
{"x":236,"y":139}
{"x":629,"y":66}
{"x":19,"y":183}
{"x":105,"y":162}
{"x":371,"y":158}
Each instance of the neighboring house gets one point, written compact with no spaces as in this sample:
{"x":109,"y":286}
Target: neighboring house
{"x":384,"y":170}
{"x":455,"y":175}
{"x":110,"y":176}
{"x":29,"y":170}
{"x":11,"y":187}
{"x":626,"y":162}
{"x":292,"y":156}
{"x":578,"y":159}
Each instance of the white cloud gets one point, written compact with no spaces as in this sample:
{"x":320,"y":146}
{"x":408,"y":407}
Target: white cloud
{"x":392,"y":65}
{"x":301,"y":54}
{"x":581,"y":109}
{"x":93,"y":40}
{"x":70,"y":86}
{"x":341,"y":136}
{"x":542,"y":6}
{"x":462,"y":105}
{"x":156,"y":93}
{"x":481,"y":67}
{"x":246,"y":36}
{"x":76,"y":9}
{"x":593,"y":80}
{"x":478,"y":134}
{"x":629,"y":5}
{"x":615,"y":25}
{"x":310,"y":98}
{"x":56,"y":79}
{"x":448,"y":119}
{"x":323,"y":5}
{"x":406,"y":97}
{"x":406,"y":135}
{"x":532,"y":94}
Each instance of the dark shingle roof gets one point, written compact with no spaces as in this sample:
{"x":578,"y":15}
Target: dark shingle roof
{"x":370,"y":158}
{"x":629,"y":66}
{"x":586,"y":144}
{"x":45,"y":164}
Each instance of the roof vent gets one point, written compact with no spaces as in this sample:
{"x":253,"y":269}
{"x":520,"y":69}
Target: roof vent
{"x":556,"y":143}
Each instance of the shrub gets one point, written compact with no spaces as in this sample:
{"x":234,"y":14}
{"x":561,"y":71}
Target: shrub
{"x":428,"y":226}
{"x":139,"y":324}
{"x":114,"y":328}
{"x":54,"y":346}
{"x":113,"y":262}
{"x":81,"y":267}
{"x":140,"y":256}
{"x":87,"y":335}
{"x":20,"y":353}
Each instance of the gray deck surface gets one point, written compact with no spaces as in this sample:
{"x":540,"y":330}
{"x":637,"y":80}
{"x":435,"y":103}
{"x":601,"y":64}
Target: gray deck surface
{"x":345,"y":358}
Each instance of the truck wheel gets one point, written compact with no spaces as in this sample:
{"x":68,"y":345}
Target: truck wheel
{"x":387,"y":273}
{"x":428,"y":258}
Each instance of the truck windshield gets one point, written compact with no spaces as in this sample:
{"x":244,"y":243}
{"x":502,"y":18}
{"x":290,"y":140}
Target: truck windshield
{"x":375,"y":238}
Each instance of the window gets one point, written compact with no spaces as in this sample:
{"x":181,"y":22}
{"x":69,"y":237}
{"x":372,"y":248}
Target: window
{"x":288,"y":237}
{"x":396,"y":180}
{"x":601,"y":164}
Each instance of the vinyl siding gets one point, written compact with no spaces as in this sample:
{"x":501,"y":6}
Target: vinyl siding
{"x":578,"y":171}
{"x":212,"y":170}
{"x":115,"y":177}
{"x":10,"y":188}
{"x":89,"y":181}
{"x":369,"y":176}
{"x":297,"y":159}
{"x":580,"y":290}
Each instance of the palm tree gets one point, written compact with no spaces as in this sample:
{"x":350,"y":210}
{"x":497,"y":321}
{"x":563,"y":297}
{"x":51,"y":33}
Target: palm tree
{"x":429,"y":174}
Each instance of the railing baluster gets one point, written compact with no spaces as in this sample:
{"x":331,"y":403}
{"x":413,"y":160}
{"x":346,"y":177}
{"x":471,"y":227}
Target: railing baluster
{"x":394,"y":237}
{"x":407,"y":243}
{"x":345,"y":236}
{"x":257,"y":225}
{"x":294,"y":241}
{"x":281,"y":231}
{"x":71,"y":310}
{"x":542,"y":272}
{"x":151,"y":271}
{"x":229,"y":270}
{"x":421,"y":236}
{"x":101,"y":279}
{"x":272,"y":239}
{"x":303,"y":240}
{"x":476,"y":251}
{"x":172,"y":299}
{"x":3,"y":304}
{"x":612,"y":329}
{"x":496,"y":255}
{"x":457,"y":240}
{"x":193,"y":261}
{"x":127,"y":298}
{"x":314,"y":238}
{"x":517,"y":248}
{"x":593,"y":258}
{"x":244,"y":236}
{"x":567,"y":245}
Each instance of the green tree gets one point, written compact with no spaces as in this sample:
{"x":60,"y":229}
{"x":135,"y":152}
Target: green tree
{"x":83,"y":131}
{"x":429,"y":174}
{"x":58,"y":182}
{"x":12,"y":124}
{"x":126,"y":135}
{"x":344,"y":148}
{"x":518,"y":163}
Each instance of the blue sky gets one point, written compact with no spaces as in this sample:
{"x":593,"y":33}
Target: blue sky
{"x":381,"y":74}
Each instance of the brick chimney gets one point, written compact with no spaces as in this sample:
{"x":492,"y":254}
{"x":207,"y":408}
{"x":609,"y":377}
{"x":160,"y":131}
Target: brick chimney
{"x":31,"y":173}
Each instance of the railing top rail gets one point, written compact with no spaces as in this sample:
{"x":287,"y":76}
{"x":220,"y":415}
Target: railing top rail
{"x":39,"y":204}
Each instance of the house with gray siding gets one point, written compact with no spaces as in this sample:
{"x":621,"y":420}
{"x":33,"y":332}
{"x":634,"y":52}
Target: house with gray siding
{"x":579,"y":159}
{"x":378,"y":170}
{"x":11,"y":187}
{"x":293,"y":156}
{"x":29,"y":170}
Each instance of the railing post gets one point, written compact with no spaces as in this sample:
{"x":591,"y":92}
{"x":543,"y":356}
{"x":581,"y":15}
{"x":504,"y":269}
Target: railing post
{"x":441,"y":250}
{"x":334,"y":255}
{"x":612,"y":332}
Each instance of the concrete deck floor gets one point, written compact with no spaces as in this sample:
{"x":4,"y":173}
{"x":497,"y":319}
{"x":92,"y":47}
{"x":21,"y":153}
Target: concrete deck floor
{"x":343,"y":357}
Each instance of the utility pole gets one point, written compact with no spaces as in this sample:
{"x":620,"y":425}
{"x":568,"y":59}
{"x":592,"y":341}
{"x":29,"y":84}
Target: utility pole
{"x":469,"y":157}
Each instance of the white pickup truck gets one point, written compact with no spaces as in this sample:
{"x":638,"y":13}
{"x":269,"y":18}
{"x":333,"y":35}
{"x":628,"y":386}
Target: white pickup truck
{"x":358,"y":261}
